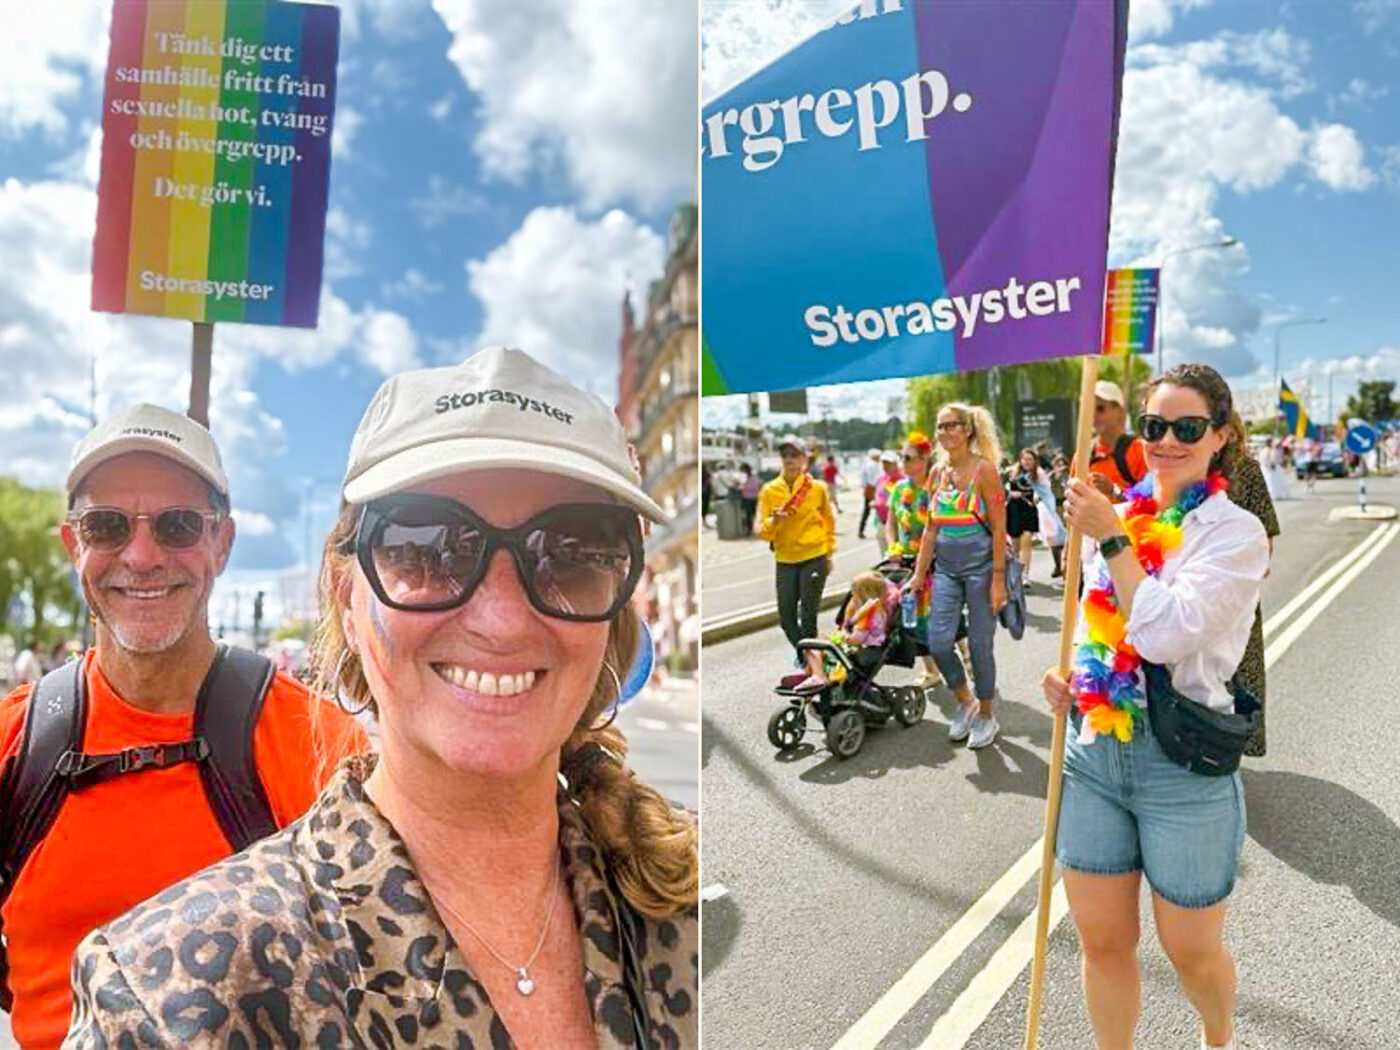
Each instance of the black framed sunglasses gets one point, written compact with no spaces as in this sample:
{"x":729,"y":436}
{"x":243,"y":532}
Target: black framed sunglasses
{"x":1188,"y":429}
{"x":576,"y":561}
{"x":111,"y":528}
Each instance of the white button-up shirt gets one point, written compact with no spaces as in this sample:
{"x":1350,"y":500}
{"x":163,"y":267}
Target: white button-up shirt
{"x":1196,"y":615}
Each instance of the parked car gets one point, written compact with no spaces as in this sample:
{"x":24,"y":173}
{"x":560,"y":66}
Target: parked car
{"x":1331,"y":462}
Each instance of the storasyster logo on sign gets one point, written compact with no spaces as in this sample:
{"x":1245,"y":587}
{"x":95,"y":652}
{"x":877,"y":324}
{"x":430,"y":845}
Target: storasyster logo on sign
{"x":216,"y":153}
{"x":921,"y":187}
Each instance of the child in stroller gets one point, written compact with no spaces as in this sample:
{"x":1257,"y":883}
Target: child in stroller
{"x":847,"y":698}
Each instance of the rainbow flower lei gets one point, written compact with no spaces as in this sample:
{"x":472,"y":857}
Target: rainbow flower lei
{"x":1106,"y":667}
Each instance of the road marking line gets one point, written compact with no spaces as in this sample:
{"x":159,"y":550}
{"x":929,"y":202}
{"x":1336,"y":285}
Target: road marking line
{"x":655,"y":725}
{"x":877,"y":1022}
{"x":689,"y":727}
{"x":714,"y":892}
{"x":953,"y":1029}
{"x":1273,"y":651}
{"x":971,"y":1008}
{"x":1333,"y":571}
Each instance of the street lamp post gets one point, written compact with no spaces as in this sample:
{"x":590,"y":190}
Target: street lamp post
{"x":1280,"y":326}
{"x":1224,"y":242}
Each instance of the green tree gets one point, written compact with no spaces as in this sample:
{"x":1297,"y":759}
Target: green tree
{"x":1373,"y":400}
{"x":33,"y":563}
{"x":1040,"y":379}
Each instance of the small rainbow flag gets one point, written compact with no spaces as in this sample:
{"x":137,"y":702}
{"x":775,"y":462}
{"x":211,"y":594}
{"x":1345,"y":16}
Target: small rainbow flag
{"x":1130,"y":311}
{"x":216,"y":135}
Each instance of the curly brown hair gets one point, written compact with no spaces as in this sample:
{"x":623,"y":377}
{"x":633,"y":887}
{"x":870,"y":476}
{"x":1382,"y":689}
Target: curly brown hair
{"x":1207,"y":382}
{"x":650,"y":845}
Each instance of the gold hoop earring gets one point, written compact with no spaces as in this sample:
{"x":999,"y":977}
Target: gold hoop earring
{"x":335,"y":685}
{"x":617,"y":701}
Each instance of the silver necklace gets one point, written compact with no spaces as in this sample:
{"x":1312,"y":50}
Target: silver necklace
{"x":524,"y":983}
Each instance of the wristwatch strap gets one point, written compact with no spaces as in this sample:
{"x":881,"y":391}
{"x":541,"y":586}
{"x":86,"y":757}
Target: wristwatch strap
{"x":1111,"y":546}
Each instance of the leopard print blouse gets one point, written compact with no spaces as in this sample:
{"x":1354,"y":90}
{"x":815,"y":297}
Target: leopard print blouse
{"x":323,"y":936}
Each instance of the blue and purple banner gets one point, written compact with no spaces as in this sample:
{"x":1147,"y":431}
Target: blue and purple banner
{"x":921,"y":187}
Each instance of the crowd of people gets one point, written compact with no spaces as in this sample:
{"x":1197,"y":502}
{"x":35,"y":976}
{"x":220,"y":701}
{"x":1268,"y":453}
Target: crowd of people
{"x":490,"y":874}
{"x":1177,"y":523}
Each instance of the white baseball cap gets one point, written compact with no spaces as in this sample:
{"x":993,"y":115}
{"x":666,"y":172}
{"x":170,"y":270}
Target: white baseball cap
{"x":889,"y":456}
{"x":149,"y":428}
{"x":499,"y":408}
{"x":1105,"y":390}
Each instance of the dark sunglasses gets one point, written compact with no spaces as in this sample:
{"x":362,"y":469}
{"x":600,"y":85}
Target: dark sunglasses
{"x":576,"y":561}
{"x":1188,"y":429}
{"x":111,"y":528}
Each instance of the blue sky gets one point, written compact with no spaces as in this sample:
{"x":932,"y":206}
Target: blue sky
{"x":1274,"y":123}
{"x":502,"y":171}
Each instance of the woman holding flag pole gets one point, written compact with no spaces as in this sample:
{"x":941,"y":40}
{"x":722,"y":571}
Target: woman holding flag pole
{"x":1164,"y":622}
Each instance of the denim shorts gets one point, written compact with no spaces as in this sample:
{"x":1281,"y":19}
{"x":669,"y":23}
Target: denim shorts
{"x":1128,"y":807}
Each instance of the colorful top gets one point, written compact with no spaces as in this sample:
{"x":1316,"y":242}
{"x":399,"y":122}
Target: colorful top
{"x":870,"y":624}
{"x":909,"y":503}
{"x":884,"y":484}
{"x":959,"y":512}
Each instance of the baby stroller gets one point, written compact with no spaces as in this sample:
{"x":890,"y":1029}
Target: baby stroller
{"x":852,"y":700}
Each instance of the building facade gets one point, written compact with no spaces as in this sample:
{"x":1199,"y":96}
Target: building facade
{"x":658,"y":403}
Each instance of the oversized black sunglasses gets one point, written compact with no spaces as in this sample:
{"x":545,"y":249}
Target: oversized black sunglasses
{"x":111,"y":528}
{"x":1188,"y":429}
{"x":576,"y":561}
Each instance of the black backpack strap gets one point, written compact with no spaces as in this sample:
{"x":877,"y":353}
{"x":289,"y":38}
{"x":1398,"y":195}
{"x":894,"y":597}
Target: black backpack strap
{"x":1120,"y":456}
{"x":225,"y":714}
{"x":32,"y":788}
{"x":630,"y":936}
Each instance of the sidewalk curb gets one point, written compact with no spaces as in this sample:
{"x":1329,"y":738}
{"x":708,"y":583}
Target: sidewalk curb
{"x":747,"y":621}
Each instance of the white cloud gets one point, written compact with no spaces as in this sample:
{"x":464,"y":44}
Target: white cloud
{"x":347,"y":241}
{"x":1190,"y":132}
{"x":46,"y":57}
{"x":444,"y":200}
{"x":1375,"y":14}
{"x":389,"y":342}
{"x":604,"y":90}
{"x":345,"y":127}
{"x":1337,"y":157}
{"x":413,"y":286}
{"x":1358,"y":92}
{"x":1272,"y":54}
{"x":554,"y":289}
{"x":1153,"y":18}
{"x":741,"y":38}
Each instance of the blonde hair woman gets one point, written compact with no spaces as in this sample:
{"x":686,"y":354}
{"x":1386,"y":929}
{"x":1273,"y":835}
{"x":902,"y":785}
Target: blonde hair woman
{"x":497,"y":876}
{"x":966,"y":544}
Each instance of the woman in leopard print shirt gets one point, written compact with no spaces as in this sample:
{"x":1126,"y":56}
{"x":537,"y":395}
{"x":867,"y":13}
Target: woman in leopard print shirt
{"x":496,"y":877}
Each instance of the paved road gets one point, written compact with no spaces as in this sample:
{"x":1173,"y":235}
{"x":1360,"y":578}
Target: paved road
{"x":843,"y":878}
{"x":662,"y":727}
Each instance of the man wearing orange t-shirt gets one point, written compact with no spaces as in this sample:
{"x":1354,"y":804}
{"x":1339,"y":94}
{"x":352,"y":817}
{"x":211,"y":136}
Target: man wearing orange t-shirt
{"x":148,"y":530}
{"x":1118,"y":460}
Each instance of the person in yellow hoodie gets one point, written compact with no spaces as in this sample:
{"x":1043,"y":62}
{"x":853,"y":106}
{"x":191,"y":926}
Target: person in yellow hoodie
{"x":795,"y":517}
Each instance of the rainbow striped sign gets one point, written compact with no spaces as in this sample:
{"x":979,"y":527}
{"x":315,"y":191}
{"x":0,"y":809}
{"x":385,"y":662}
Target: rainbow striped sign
{"x":216,"y":152}
{"x":1130,"y":311}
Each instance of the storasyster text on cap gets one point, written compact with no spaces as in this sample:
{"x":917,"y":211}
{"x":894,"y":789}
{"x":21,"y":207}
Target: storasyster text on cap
{"x":149,"y":428}
{"x":500,"y":408}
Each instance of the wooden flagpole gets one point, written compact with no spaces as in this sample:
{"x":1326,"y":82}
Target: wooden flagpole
{"x":1069,"y":619}
{"x":201,"y":363}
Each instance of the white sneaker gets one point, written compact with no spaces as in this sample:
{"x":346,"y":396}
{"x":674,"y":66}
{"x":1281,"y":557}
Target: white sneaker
{"x":962,"y":723}
{"x":1231,"y":1045}
{"x":982,"y":732}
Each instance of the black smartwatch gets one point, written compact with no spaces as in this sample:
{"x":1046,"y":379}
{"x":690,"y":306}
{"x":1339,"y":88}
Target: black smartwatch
{"x":1111,"y":546}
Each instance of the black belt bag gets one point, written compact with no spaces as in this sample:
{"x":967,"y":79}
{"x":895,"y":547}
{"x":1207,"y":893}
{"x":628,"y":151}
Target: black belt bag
{"x":1204,"y":740}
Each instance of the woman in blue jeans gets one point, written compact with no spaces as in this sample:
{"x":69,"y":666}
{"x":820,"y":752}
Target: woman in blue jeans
{"x":1174,"y":582}
{"x":966,"y":544}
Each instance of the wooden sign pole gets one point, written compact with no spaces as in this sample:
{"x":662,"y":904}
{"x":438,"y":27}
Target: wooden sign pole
{"x":201,"y":362}
{"x":1069,"y":619}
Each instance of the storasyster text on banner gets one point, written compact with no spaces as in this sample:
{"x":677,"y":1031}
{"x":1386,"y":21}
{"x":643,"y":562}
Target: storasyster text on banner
{"x":918,"y":188}
{"x":216,"y":133}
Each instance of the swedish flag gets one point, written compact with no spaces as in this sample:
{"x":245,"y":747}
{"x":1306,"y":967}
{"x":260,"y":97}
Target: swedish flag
{"x":1294,"y":414}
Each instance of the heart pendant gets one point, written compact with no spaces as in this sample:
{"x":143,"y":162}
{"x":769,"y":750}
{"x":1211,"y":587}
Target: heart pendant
{"x":523,"y":984}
